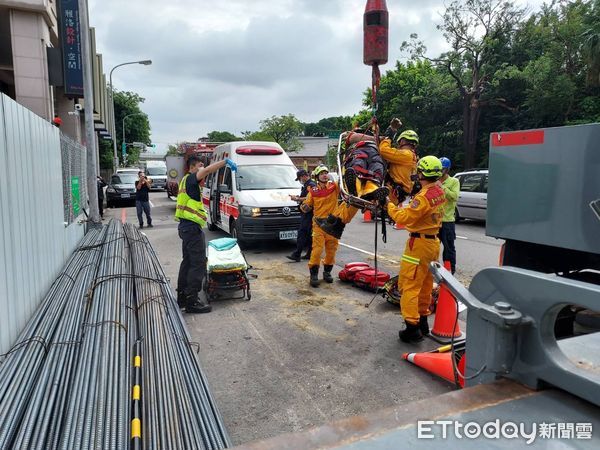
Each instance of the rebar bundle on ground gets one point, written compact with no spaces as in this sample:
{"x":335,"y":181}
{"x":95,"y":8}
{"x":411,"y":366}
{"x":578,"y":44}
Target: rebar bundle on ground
{"x":106,"y":361}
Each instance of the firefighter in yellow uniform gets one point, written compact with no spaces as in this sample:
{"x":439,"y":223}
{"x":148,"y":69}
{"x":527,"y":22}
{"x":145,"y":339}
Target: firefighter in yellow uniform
{"x":423,"y":219}
{"x":402,"y":162}
{"x":323,"y":200}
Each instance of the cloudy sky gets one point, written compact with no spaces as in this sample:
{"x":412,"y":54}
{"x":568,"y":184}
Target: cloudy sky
{"x":226,"y":65}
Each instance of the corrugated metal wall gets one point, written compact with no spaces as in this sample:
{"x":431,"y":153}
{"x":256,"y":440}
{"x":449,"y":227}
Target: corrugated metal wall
{"x":34,"y":240}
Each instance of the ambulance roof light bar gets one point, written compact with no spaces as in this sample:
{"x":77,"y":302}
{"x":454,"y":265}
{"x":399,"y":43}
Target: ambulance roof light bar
{"x":258,"y":150}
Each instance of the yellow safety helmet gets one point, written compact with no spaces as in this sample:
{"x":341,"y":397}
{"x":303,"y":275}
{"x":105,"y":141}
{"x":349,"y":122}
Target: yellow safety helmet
{"x":409,"y":135}
{"x":319,"y":169}
{"x":430,"y":166}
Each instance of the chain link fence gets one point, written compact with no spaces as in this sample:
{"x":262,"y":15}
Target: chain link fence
{"x":74,"y":178}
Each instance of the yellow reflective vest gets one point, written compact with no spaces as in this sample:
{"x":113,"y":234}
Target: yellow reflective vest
{"x":188,"y":208}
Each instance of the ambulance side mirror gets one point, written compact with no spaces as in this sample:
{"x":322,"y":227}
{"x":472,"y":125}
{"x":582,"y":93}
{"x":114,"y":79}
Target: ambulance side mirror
{"x":224,"y":189}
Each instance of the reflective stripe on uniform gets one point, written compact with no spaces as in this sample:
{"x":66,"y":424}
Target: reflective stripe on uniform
{"x":191,"y":211}
{"x":410,"y":259}
{"x":188,"y":208}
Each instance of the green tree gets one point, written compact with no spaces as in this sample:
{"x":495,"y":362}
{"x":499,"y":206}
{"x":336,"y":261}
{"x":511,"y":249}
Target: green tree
{"x":257,"y":136}
{"x":222,"y":136}
{"x":425,"y":99}
{"x":476,"y":30}
{"x":331,"y":158}
{"x":172,"y":150}
{"x":105,"y":151}
{"x":284,"y":130}
{"x":137,"y":127}
{"x":328,"y":125}
{"x":553,"y":66}
{"x":591,"y":44}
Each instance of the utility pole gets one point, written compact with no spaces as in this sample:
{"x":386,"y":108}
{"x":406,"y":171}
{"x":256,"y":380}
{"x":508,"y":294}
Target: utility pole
{"x":88,"y":96}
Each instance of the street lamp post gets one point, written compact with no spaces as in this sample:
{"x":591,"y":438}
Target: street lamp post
{"x":123,"y":125}
{"x":145,"y":62}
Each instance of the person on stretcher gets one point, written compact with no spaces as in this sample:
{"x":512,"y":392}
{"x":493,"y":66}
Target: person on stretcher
{"x":399,"y":180}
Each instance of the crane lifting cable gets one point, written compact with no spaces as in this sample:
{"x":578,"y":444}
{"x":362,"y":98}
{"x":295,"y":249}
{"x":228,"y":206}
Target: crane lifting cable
{"x":375,"y":53}
{"x":359,"y":164}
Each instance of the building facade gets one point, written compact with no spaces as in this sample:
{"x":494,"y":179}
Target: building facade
{"x":313,"y":152}
{"x":33,"y":65}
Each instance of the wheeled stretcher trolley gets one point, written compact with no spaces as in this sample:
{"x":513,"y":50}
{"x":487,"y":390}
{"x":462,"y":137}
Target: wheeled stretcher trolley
{"x":227,"y":271}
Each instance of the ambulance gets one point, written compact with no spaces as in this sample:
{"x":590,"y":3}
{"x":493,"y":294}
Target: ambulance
{"x":253,"y":203}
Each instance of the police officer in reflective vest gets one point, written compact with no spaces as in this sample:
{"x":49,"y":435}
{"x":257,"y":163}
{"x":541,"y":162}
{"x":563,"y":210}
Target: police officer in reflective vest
{"x":191,"y":215}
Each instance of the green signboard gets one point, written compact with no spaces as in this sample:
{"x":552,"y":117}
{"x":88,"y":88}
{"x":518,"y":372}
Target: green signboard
{"x":123,"y":149}
{"x":75,"y":195}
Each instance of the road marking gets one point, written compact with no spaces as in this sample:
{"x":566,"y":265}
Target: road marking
{"x":462,"y":237}
{"x":369,"y":253}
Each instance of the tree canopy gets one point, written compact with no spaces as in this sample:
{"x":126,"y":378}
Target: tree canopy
{"x":284,"y":130}
{"x":505,"y":71}
{"x":137,"y":128}
{"x":222,"y":136}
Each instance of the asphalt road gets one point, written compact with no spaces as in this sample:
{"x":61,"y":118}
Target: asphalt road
{"x":475,"y":250}
{"x":294,"y":356}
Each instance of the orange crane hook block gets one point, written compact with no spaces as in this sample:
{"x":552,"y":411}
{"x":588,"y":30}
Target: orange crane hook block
{"x":375,"y":29}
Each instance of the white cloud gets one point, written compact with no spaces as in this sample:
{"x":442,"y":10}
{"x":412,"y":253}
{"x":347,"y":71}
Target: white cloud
{"x":227,"y":65}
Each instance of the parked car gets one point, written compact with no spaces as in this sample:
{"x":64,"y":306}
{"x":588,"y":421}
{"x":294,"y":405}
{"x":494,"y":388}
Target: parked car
{"x":121,"y":188}
{"x":472,"y":201}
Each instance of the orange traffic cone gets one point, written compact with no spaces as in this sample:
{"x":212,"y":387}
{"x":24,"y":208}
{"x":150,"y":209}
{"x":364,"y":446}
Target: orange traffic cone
{"x":398,"y":226}
{"x":367,"y":216}
{"x":439,"y":364}
{"x":446,"y":327}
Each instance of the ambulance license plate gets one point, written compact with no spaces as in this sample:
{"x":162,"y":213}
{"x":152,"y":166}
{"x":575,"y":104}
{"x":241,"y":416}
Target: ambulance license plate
{"x":288,"y":234}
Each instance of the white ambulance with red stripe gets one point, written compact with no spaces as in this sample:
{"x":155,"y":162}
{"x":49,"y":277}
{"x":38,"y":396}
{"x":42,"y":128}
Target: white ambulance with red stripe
{"x":253,"y":203}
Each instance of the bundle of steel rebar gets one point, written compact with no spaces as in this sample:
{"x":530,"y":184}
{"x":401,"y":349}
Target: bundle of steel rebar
{"x":34,"y":375}
{"x":106,"y":360}
{"x":97,"y":414}
{"x":178,"y":411}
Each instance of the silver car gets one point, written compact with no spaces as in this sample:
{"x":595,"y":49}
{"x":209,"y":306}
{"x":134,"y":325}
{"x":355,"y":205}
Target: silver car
{"x":472,"y":201}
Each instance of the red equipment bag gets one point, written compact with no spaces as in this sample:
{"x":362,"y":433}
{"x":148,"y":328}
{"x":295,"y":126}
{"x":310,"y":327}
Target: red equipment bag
{"x":366,"y":279}
{"x":351,"y":269}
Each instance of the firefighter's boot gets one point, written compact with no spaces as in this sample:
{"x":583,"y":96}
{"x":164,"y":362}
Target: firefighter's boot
{"x":332,"y":225}
{"x":327,"y":274}
{"x":379,"y":195}
{"x":314,"y":276}
{"x":424,"y":325}
{"x":350,"y":181}
{"x":411,"y":334}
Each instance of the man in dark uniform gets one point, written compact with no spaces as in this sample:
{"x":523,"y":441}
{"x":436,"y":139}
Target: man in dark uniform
{"x":101,"y":186}
{"x":191,"y":215}
{"x":305,"y":231}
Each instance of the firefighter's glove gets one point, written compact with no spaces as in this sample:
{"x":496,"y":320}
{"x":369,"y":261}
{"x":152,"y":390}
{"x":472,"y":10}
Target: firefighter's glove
{"x":389,"y":134}
{"x":231,"y":164}
{"x":305,"y":208}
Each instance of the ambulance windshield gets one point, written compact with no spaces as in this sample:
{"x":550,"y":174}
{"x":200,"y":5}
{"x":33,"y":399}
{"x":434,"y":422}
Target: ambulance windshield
{"x":253,"y":178}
